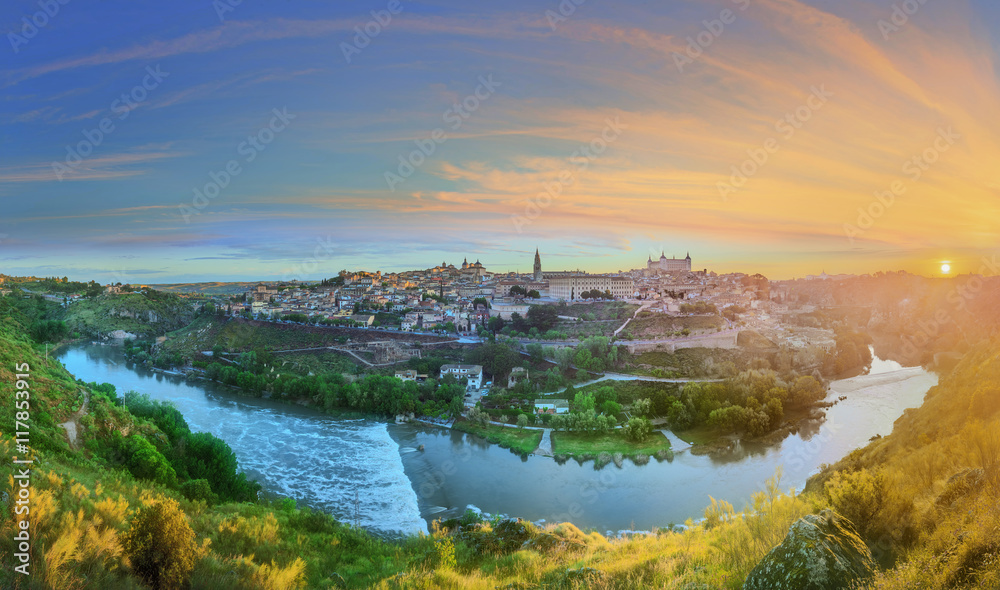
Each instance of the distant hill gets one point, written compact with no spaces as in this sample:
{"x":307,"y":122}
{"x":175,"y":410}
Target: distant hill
{"x":206,"y":288}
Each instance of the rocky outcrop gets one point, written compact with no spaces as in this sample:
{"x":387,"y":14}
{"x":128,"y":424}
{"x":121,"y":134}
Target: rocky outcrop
{"x":121,"y":335}
{"x":821,"y":552}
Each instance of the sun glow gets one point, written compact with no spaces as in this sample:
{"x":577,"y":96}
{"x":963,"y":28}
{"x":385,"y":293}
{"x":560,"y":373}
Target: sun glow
{"x":945,"y":268}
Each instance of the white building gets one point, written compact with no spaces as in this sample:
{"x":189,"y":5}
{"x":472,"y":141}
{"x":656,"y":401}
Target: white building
{"x":504,"y":309}
{"x":474,"y":374}
{"x":571,"y":286}
{"x":551,"y":406}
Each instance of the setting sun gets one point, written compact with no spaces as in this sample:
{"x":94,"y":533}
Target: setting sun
{"x":945,"y":268}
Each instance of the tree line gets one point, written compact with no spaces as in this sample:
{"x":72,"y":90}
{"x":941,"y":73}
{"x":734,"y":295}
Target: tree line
{"x":198,"y":464}
{"x":752,"y":403}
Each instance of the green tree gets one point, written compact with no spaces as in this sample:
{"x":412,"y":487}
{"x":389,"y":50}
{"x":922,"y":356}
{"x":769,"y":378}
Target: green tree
{"x":478,"y":416}
{"x":643,"y":407}
{"x":637,"y":429}
{"x":543,"y":317}
{"x":208,"y":457}
{"x":610,"y":408}
{"x":584,"y":402}
{"x":143,"y":460}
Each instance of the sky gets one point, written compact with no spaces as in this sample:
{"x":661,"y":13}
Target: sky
{"x":155,"y":142}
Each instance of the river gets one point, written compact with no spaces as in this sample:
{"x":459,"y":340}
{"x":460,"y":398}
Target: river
{"x":370,"y":472}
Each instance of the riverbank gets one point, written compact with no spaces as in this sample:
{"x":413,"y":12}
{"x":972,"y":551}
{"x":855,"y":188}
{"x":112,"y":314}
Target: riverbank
{"x":613,"y":445}
{"x":439,"y":472}
{"x":522,"y":441}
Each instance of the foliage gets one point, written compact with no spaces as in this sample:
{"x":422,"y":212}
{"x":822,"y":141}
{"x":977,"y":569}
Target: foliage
{"x":753,"y":402}
{"x":521,"y":441}
{"x":497,"y":358}
{"x":142,"y":459}
{"x":207,"y":457}
{"x":699,"y":307}
{"x":478,"y":416}
{"x":637,"y":429}
{"x":49,"y":330}
{"x":583,"y":421}
{"x":199,"y":489}
{"x":160,"y":545}
{"x":642,"y":407}
{"x":851,"y":352}
{"x":543,"y":317}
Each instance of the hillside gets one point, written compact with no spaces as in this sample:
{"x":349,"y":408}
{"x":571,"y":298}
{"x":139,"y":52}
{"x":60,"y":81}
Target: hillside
{"x":929,"y":490}
{"x":923,"y":499}
{"x":911,"y":317}
{"x":92,"y":502}
{"x":146,"y":314}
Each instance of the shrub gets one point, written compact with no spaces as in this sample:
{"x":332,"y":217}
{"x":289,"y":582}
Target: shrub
{"x":143,"y":460}
{"x":873,"y":503}
{"x":199,"y":489}
{"x":637,"y":429}
{"x":160,"y":545}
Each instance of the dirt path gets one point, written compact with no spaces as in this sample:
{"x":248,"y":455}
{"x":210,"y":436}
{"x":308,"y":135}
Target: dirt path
{"x":642,"y":307}
{"x":71,"y":425}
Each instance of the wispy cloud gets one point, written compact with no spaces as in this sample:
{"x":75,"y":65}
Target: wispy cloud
{"x":98,"y":168}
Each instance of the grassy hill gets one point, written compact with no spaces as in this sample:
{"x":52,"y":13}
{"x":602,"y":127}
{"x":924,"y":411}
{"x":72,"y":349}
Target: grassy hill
{"x":237,"y":334}
{"x":149,"y":314}
{"x":924,"y":498}
{"x":649,"y":325}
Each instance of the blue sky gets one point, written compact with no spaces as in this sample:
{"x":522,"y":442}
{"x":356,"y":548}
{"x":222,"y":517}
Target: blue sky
{"x":317,"y":199}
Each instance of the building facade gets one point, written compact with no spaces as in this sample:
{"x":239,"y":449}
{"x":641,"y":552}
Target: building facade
{"x":571,"y":286}
{"x":665,"y":264}
{"x":474,"y":374}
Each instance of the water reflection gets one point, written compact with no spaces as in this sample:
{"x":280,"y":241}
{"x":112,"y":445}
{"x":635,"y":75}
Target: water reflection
{"x":326,"y":461}
{"x":468,"y":472}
